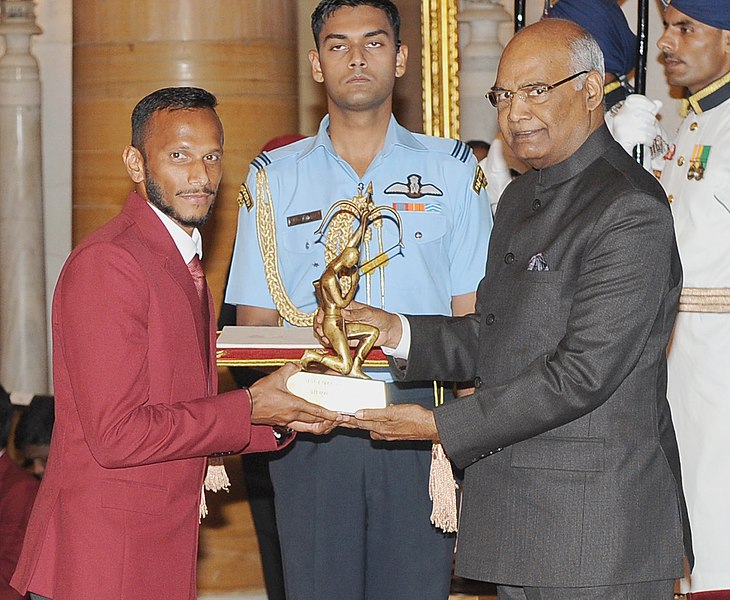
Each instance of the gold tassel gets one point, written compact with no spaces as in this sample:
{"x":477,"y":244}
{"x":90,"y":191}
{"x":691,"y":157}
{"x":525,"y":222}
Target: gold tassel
{"x":441,"y":483}
{"x":216,"y":479}
{"x":442,"y":491}
{"x":203,"y":506}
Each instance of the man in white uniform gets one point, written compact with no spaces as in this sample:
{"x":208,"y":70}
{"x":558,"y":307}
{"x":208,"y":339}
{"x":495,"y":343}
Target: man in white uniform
{"x":696,"y":176}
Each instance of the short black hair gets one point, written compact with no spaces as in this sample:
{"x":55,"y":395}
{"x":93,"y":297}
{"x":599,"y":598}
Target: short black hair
{"x":170,"y":98}
{"x":36,"y":423}
{"x":478,"y":144}
{"x":325,"y":9}
{"x":6,"y":415}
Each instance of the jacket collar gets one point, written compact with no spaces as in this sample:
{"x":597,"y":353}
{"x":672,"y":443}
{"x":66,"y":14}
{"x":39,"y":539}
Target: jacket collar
{"x":707,"y":98}
{"x":596,"y":144}
{"x":154,"y":232}
{"x":395,"y":135}
{"x":159,"y":241}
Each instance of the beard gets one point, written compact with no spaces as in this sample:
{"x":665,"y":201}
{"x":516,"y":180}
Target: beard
{"x":157,"y":198}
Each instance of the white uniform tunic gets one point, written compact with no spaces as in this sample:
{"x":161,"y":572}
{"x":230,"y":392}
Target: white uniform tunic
{"x":696,"y":178}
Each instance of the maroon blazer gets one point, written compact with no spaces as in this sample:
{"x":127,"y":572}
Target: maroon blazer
{"x":136,"y":415}
{"x":17,"y":492}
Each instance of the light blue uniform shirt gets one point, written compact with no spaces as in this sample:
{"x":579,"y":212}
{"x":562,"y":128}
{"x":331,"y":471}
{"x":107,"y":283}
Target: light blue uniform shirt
{"x":445,"y":215}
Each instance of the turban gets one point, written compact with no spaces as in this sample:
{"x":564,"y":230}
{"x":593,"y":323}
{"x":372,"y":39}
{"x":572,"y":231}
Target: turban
{"x":606,"y":22}
{"x":715,"y":13}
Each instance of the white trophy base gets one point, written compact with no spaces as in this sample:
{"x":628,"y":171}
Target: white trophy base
{"x":338,"y":393}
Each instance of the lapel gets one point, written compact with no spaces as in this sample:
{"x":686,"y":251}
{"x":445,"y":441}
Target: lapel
{"x":162,"y":246}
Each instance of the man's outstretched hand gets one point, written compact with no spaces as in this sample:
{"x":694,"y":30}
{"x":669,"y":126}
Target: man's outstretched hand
{"x":272,"y":404}
{"x":388,"y":324}
{"x":397,"y":422}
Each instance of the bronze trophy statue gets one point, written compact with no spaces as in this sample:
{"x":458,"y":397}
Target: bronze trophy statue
{"x":337,"y":286}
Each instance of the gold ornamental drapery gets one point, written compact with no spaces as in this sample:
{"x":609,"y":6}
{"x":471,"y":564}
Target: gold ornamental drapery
{"x":440,"y":67}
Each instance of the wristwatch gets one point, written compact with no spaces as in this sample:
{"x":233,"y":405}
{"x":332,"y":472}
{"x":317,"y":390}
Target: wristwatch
{"x":282,"y":434}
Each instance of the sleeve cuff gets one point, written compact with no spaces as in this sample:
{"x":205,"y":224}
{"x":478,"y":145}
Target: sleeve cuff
{"x":403,"y":349}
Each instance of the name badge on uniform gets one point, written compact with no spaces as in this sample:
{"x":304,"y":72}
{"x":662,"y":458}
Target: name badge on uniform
{"x":309,"y":217}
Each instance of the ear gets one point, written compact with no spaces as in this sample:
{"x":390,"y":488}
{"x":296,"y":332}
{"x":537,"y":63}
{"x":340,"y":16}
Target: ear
{"x":316,"y":66}
{"x":401,"y":58}
{"x":726,"y":43}
{"x":134,"y":162}
{"x":593,"y":89}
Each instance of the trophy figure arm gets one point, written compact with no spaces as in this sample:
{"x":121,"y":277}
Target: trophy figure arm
{"x":350,"y":295}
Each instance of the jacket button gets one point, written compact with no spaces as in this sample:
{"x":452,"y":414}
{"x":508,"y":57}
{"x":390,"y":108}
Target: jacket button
{"x":490,"y":319}
{"x":536,"y":204}
{"x":477,"y":382}
{"x":509,"y":258}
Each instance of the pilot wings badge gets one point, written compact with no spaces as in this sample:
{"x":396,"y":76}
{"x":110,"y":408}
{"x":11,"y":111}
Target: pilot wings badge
{"x":414,"y":188}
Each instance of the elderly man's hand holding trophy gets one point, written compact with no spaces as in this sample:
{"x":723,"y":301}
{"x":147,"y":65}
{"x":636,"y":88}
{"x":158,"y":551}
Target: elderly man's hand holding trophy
{"x":336,"y":379}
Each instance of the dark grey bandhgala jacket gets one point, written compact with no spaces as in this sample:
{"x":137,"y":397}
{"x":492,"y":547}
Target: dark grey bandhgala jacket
{"x":572,"y":471}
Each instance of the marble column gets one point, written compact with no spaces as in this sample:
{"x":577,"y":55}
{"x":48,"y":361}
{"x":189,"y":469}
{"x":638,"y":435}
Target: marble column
{"x":479,"y":23}
{"x":23,"y":346}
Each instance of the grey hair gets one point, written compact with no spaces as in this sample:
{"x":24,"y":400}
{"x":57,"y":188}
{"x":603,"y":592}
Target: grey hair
{"x":586,"y":55}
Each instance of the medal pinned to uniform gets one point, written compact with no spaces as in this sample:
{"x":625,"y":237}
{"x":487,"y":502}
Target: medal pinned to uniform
{"x":698,"y":162}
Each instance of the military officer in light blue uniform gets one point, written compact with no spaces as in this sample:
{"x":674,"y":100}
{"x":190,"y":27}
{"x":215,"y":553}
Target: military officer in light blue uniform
{"x":432,"y":182}
{"x":353,"y":514}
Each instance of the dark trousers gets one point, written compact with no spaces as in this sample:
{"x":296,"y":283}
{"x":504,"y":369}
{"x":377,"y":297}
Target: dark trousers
{"x":645,"y":590}
{"x":353,"y":517}
{"x":260,"y":494}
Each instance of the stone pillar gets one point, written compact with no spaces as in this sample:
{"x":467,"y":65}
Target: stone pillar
{"x":23,"y":346}
{"x":479,"y":22}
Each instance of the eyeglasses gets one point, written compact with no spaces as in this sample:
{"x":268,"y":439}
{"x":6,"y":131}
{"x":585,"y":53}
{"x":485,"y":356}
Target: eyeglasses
{"x":532,"y":94}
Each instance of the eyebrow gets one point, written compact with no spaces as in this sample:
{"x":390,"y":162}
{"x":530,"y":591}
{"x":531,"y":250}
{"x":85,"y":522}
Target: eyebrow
{"x":342,"y":36}
{"x":680,"y":23}
{"x":498,"y":88}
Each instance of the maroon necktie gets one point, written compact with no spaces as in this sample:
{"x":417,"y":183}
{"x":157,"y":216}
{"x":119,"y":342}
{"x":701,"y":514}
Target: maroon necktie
{"x":196,"y":270}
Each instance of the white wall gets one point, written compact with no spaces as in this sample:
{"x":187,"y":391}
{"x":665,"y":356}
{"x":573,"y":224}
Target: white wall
{"x":53,"y":49}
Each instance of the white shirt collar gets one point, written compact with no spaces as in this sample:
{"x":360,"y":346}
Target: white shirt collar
{"x":188,"y":245}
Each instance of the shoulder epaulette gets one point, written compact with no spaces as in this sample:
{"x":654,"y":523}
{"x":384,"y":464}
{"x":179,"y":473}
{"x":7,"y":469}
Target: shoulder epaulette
{"x":244,"y":197}
{"x":261,"y":161}
{"x":460,"y":151}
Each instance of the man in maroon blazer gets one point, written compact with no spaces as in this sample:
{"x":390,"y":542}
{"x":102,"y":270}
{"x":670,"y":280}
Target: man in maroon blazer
{"x":137,"y":409}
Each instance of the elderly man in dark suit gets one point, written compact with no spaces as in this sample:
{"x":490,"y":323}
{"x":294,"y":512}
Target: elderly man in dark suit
{"x":572,"y":485}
